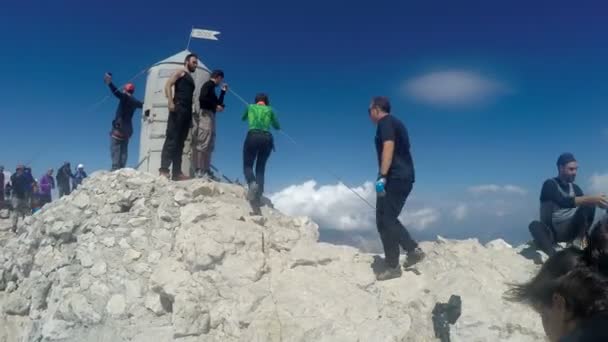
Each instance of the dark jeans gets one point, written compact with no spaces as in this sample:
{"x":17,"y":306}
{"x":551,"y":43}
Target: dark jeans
{"x":257,"y":149}
{"x":178,"y":127}
{"x":120,"y":151}
{"x":547,"y":237}
{"x":392,"y":232}
{"x":64,"y":189}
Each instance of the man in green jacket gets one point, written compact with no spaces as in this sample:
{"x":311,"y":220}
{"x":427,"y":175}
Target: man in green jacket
{"x":259,"y":143}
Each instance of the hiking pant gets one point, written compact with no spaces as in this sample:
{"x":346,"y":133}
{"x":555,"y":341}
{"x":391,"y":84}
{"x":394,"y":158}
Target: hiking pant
{"x":203,"y":139}
{"x":547,"y":237}
{"x":64,"y":189}
{"x":392,"y":232}
{"x":21,"y":208}
{"x":178,"y":127}
{"x":257,"y":149}
{"x":46,"y":198}
{"x":119,"y":150}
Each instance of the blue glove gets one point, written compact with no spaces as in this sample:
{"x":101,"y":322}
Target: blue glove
{"x":380,"y":185}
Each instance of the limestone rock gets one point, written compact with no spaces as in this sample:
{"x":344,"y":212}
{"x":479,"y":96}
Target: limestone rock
{"x":116,"y":306}
{"x":134,"y":257}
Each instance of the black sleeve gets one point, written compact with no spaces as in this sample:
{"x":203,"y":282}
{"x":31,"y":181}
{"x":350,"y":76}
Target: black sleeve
{"x":220,"y":101}
{"x":138,"y":104}
{"x":207,"y":97}
{"x":386,"y":131}
{"x":115,"y":91}
{"x":550,"y":193}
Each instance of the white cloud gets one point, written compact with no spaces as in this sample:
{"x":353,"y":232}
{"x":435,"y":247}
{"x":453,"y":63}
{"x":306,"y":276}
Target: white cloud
{"x":453,"y":88}
{"x":497,"y":189}
{"x":420,"y":219}
{"x":599,"y":182}
{"x":336,"y":207}
{"x":460,"y":212}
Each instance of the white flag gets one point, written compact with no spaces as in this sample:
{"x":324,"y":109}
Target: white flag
{"x":204,"y":34}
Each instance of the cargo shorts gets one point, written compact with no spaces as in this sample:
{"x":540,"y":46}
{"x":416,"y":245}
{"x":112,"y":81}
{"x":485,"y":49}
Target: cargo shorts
{"x":203,"y":131}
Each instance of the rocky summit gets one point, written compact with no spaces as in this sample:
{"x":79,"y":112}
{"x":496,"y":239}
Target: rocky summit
{"x":133,"y":257}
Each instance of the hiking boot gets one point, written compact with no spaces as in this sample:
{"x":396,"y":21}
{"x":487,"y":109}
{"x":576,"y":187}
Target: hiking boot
{"x":414,"y":257}
{"x":389,"y":273}
{"x":252,"y":193}
{"x":180,"y":177}
{"x":199,"y":174}
{"x":165,"y":174}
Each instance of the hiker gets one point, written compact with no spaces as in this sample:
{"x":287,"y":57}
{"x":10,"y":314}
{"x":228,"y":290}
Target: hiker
{"x":30,"y":178}
{"x":2,"y":187}
{"x":566,"y":214}
{"x":36,"y":200}
{"x":259,"y":143}
{"x":64,"y":175}
{"x":571,"y":298}
{"x":8,"y":190}
{"x":180,"y":117}
{"x":122,"y":125}
{"x":47,"y":184}
{"x":203,"y":135}
{"x":79,"y":176}
{"x":395,"y":181}
{"x":21,"y":195}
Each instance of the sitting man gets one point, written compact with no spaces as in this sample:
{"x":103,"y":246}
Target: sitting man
{"x":566,"y":214}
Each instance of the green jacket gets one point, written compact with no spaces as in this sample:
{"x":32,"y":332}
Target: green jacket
{"x":261,"y":117}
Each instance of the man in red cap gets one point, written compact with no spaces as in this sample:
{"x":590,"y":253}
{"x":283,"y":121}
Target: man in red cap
{"x":566,"y":213}
{"x":122,"y":125}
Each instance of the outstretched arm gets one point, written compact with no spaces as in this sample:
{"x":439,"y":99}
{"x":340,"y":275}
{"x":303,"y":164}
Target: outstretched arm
{"x":108,"y":80}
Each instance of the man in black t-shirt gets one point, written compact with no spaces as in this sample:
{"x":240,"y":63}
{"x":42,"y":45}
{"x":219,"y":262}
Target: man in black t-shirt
{"x":566,"y":214}
{"x":394,"y":184}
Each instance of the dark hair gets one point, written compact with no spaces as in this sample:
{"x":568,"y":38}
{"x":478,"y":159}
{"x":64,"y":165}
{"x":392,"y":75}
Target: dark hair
{"x":217,"y":73}
{"x":584,"y":290}
{"x":261,"y":97}
{"x":565,"y":158}
{"x":187,"y":59}
{"x":597,"y":250}
{"x":535,"y":291}
{"x":382,"y":103}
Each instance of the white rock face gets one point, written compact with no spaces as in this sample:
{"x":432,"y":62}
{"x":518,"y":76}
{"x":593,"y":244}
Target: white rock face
{"x":133,"y":257}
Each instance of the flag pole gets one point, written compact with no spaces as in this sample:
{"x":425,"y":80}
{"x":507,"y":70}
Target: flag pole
{"x":189,"y":38}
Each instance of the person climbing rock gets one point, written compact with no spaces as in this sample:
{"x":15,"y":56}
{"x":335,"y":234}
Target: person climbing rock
{"x":47,"y":184}
{"x":203,"y":134}
{"x":64,"y":176}
{"x":259,"y":143}
{"x":394,"y":184}
{"x":566,"y":214}
{"x":122,"y":125}
{"x":21,"y":196}
{"x":79,"y":176}
{"x":2,"y":187}
{"x":179,"y":90}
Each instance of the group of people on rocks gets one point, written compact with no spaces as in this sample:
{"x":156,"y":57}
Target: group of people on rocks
{"x":24,"y":195}
{"x":566,"y":213}
{"x":183,"y":119}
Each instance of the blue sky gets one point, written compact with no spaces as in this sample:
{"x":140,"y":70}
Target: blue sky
{"x":491,"y":93}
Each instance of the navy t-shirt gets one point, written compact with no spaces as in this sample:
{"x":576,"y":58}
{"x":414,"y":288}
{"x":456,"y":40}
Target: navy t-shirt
{"x":392,"y":129}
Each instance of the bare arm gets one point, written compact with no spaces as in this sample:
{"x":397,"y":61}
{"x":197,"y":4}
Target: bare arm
{"x":387,"y":157}
{"x":169,"y":86}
